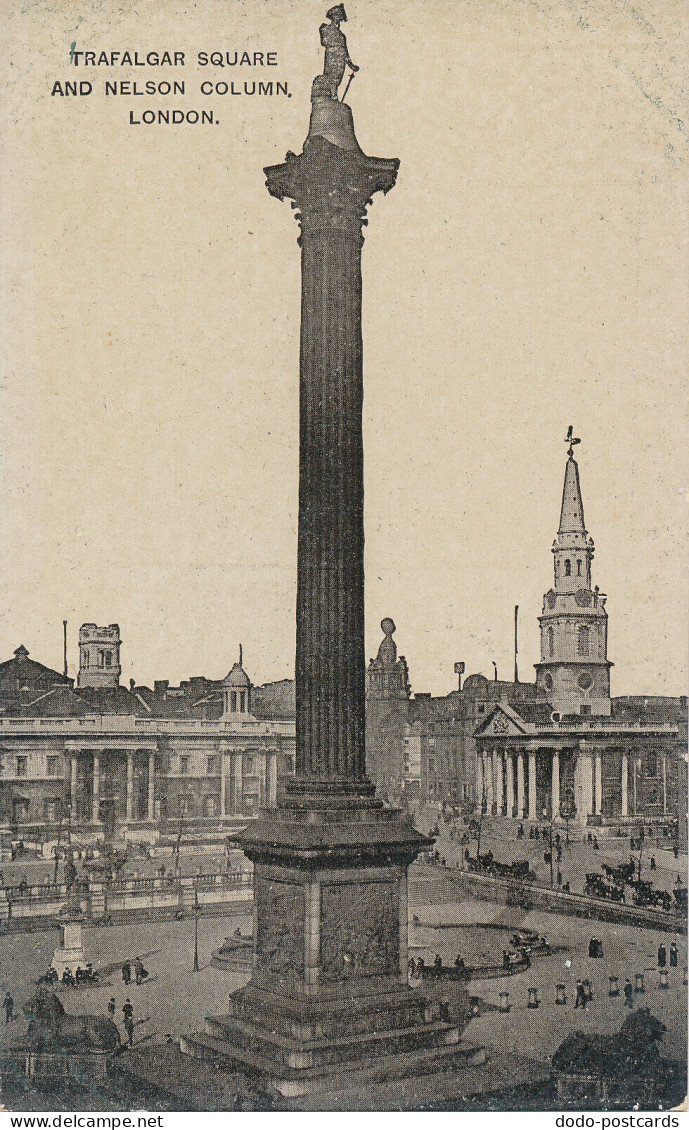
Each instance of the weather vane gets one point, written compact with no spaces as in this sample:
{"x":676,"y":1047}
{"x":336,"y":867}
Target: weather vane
{"x":571,"y":439}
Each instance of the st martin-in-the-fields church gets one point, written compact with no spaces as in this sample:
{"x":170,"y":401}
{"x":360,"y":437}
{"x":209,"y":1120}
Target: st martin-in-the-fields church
{"x":574,"y":751}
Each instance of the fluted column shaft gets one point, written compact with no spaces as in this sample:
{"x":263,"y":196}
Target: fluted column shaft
{"x":330,"y":588}
{"x":331,"y":187}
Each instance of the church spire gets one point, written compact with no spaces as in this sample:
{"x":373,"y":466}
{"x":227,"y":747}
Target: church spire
{"x":572,"y":511}
{"x":574,"y":672}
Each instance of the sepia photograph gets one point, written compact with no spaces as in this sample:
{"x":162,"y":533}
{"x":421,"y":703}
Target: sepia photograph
{"x":343,"y":615}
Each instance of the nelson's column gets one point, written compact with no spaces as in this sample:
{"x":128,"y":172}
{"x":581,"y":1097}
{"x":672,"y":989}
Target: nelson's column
{"x":328,"y":1005}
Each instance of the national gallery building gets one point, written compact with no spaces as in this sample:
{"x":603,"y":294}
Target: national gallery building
{"x":136,"y":760}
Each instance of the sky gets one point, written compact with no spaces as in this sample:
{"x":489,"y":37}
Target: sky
{"x":528,"y":271}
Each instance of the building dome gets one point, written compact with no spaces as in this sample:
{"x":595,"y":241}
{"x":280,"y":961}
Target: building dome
{"x":237,"y":677}
{"x":236,"y":689}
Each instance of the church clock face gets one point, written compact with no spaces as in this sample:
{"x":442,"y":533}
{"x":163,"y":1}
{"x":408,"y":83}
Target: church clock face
{"x":585,"y":681}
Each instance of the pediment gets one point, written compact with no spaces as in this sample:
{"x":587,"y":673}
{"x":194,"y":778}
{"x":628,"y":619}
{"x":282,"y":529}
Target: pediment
{"x":503,"y":723}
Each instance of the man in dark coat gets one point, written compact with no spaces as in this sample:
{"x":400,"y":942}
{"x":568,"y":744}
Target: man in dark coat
{"x":128,"y":1014}
{"x":580,"y":999}
{"x":662,"y":956}
{"x":673,"y":955}
{"x":628,"y":994}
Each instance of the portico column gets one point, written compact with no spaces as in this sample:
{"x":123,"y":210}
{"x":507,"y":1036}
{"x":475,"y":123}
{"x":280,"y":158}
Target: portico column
{"x":555,"y":788}
{"x":151,"y":785}
{"x":238,"y":783}
{"x":497,"y":769}
{"x":488,"y":778}
{"x":223,"y":770}
{"x":598,"y":782}
{"x":272,"y":799}
{"x":509,"y":777}
{"x":583,"y":784}
{"x":520,"y":783}
{"x":73,"y":785}
{"x":130,"y":785}
{"x":625,"y":785}
{"x":479,"y":778}
{"x":532,"y":784}
{"x":95,"y":799}
{"x":664,"y":771}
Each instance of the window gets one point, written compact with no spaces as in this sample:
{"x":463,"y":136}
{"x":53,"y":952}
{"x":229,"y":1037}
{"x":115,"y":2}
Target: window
{"x":481,"y":708}
{"x":22,"y":763}
{"x":108,"y":659}
{"x":578,"y":568}
{"x":551,"y":642}
{"x":431,"y":765}
{"x":583,"y":640}
{"x":248,"y":765}
{"x":211,"y":806}
{"x":242,"y":702}
{"x":213,"y":768}
{"x":585,"y":708}
{"x":233,"y":701}
{"x":86,"y":659}
{"x":52,"y":764}
{"x":651,"y":764}
{"x":184,"y":764}
{"x":568,"y":568}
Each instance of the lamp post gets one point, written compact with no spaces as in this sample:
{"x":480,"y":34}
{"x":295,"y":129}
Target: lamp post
{"x":196,"y":930}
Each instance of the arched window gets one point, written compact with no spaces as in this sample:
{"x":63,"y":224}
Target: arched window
{"x":551,"y":642}
{"x":568,"y":568}
{"x":578,"y":567}
{"x":583,"y":640}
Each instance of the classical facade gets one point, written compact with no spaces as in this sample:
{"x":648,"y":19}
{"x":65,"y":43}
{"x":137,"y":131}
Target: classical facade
{"x":575,"y":752}
{"x":129,"y":761}
{"x":558,"y":747}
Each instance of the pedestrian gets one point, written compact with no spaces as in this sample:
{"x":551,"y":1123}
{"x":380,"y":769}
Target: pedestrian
{"x":128,"y":1014}
{"x":653,"y":863}
{"x":588,"y":990}
{"x":520,"y":832}
{"x":673,"y":955}
{"x":589,"y":839}
{"x":595,"y":844}
{"x":459,"y":964}
{"x":559,"y":878}
{"x":675,"y":851}
{"x":628,"y":994}
{"x":8,"y":1005}
{"x":111,"y":1008}
{"x":438,"y":961}
{"x":662,"y":956}
{"x":580,"y":999}
{"x":126,"y":972}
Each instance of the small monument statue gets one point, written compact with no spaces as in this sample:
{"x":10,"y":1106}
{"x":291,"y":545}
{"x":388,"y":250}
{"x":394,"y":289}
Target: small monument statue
{"x":336,"y":56}
{"x":70,"y":953}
